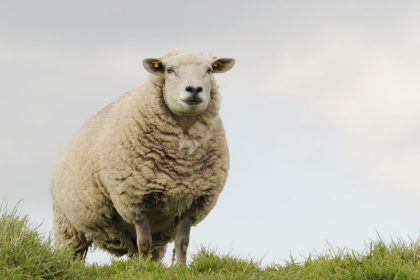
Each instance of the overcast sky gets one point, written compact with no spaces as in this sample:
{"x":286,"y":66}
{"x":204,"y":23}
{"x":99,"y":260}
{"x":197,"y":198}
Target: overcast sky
{"x":321,"y":110}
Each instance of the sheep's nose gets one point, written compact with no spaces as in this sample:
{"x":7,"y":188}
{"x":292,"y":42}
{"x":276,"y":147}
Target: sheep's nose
{"x":194,"y":98}
{"x":194,"y":90}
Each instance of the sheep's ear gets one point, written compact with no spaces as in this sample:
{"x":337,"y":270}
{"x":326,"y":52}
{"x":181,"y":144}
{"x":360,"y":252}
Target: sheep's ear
{"x":221,"y":65}
{"x":153,"y":65}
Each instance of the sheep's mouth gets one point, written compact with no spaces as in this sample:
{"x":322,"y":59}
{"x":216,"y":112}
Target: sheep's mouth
{"x":193,"y":101}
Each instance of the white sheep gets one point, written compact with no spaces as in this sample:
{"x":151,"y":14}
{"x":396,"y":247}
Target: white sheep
{"x":147,"y":167}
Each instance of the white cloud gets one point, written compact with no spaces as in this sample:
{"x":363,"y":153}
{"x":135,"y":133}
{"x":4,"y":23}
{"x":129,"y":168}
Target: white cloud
{"x":369,"y":89}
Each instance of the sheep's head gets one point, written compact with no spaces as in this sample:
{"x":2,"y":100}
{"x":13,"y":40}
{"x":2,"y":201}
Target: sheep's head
{"x":188,"y":79}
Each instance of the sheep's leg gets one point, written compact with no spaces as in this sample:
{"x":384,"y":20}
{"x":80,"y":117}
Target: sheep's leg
{"x":144,"y":235}
{"x":182,"y":237}
{"x":158,"y":253}
{"x":67,"y":237}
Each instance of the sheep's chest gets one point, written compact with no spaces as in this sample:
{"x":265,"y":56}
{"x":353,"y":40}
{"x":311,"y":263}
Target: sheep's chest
{"x":179,"y":183}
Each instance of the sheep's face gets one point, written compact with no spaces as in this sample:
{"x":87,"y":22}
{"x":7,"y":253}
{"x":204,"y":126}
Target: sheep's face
{"x":188,"y":80}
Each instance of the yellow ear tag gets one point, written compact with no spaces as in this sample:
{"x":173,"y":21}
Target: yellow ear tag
{"x":156,"y":64}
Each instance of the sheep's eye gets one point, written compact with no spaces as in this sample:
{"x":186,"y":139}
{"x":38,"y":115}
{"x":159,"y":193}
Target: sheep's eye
{"x":209,"y":70}
{"x":170,"y":70}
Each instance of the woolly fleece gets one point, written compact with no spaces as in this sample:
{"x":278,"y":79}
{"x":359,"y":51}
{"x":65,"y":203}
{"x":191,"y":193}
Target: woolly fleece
{"x":135,"y":156}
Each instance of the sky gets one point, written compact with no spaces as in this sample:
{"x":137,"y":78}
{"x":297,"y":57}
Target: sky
{"x":321,"y":110}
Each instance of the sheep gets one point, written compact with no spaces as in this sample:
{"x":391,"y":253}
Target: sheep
{"x":146,"y":168}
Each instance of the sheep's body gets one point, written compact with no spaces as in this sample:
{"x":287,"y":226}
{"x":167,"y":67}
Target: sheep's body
{"x":133,"y":158}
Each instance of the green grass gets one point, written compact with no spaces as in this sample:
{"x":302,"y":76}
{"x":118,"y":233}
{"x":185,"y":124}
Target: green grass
{"x":26,"y":254}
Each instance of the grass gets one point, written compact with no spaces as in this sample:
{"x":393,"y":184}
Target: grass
{"x":26,"y":254}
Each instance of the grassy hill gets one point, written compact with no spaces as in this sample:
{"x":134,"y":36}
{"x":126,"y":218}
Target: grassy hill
{"x":26,"y":254}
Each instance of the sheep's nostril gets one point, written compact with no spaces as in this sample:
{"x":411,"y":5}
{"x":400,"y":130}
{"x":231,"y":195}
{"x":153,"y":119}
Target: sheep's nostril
{"x":189,"y":89}
{"x":194,"y":90}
